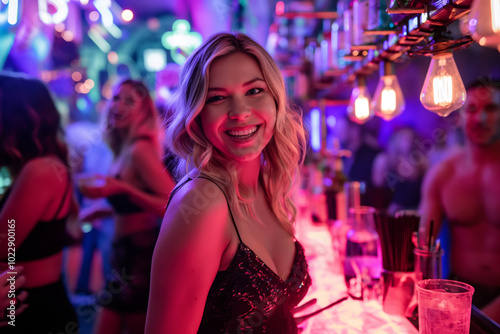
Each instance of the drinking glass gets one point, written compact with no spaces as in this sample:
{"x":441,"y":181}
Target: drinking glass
{"x":444,"y":306}
{"x":428,"y":264}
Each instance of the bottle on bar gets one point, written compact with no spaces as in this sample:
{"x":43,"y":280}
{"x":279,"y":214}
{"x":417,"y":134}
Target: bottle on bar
{"x":363,"y":260}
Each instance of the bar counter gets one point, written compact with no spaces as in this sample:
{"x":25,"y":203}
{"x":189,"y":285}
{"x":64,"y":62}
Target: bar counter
{"x":350,"y":316}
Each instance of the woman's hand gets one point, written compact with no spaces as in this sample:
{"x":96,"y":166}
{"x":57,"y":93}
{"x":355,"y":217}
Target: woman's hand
{"x":5,"y":297}
{"x":94,"y":212}
{"x":101,"y":186}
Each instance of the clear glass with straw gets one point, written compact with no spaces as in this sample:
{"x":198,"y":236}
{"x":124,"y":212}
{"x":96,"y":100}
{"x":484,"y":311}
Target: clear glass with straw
{"x":428,"y":263}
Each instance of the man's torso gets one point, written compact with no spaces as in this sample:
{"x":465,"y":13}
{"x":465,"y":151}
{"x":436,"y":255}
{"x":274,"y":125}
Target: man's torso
{"x":471,"y":202}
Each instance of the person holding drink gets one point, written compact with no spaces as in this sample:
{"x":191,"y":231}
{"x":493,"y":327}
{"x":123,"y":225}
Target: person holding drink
{"x":138,"y":190}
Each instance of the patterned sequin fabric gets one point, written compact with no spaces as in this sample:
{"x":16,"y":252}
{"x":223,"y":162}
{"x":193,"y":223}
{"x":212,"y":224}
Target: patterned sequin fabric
{"x":250,"y":298}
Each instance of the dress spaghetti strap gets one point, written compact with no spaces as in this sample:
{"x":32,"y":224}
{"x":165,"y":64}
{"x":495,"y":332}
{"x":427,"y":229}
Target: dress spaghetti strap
{"x":66,"y":192}
{"x":227,"y":201}
{"x":223,"y":192}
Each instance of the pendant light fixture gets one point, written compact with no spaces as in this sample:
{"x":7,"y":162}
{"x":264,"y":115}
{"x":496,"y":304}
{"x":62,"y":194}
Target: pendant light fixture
{"x":359,"y":109}
{"x":443,"y":91}
{"x":388,"y":100}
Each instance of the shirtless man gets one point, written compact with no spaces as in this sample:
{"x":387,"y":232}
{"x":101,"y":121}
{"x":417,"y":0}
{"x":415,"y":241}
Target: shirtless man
{"x":465,"y":188}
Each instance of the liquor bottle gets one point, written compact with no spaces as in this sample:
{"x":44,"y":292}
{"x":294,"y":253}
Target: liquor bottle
{"x":363,"y":260}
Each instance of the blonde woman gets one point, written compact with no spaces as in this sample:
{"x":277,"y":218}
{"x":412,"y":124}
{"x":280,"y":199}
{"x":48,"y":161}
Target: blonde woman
{"x":226,"y":260}
{"x":138,"y":190}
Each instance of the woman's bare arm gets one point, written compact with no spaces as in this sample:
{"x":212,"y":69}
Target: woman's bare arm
{"x":149,"y":170}
{"x":187,"y":256}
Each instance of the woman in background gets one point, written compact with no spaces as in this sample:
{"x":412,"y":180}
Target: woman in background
{"x":226,"y":260}
{"x":38,"y":206}
{"x":138,"y":190}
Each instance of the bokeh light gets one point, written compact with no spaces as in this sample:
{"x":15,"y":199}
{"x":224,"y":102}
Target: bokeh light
{"x":78,"y":87}
{"x":331,"y":121}
{"x":127,"y":15}
{"x":76,"y":76}
{"x":89,"y":83}
{"x":82,"y":104}
{"x":153,"y":23}
{"x":112,"y":57}
{"x":46,"y":76}
{"x":67,"y":36}
{"x":94,"y":16}
{"x":60,"y":27}
{"x":280,"y":8}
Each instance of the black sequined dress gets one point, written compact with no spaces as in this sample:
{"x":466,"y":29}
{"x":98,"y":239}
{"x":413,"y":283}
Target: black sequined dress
{"x":249,"y":298}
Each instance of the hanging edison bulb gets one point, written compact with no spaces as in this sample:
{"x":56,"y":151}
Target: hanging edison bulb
{"x":359,"y":109}
{"x":388,"y":100}
{"x":443,"y":91}
{"x":484,"y":22}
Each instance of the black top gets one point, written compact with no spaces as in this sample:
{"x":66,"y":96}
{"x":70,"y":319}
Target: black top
{"x":47,"y":237}
{"x":122,"y":204}
{"x":248,"y":297}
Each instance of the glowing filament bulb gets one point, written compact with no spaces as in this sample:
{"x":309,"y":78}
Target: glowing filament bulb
{"x":362,"y":108}
{"x":443,"y":91}
{"x":443,"y":87}
{"x":388,"y":100}
{"x":359,"y":109}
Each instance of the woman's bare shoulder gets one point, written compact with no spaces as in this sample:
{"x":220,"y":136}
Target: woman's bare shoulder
{"x":141,"y":148}
{"x":46,"y":170}
{"x":43,"y":179}
{"x":44,"y":163}
{"x":198,"y":201}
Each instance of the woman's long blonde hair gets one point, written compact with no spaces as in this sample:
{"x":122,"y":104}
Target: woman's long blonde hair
{"x":147,"y":127}
{"x":282,"y":155}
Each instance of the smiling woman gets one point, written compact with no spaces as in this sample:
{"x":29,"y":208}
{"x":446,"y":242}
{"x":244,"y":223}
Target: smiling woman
{"x":226,"y":260}
{"x":240,"y":114}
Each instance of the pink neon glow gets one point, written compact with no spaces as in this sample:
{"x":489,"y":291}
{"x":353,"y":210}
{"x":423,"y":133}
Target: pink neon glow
{"x":280,"y":8}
